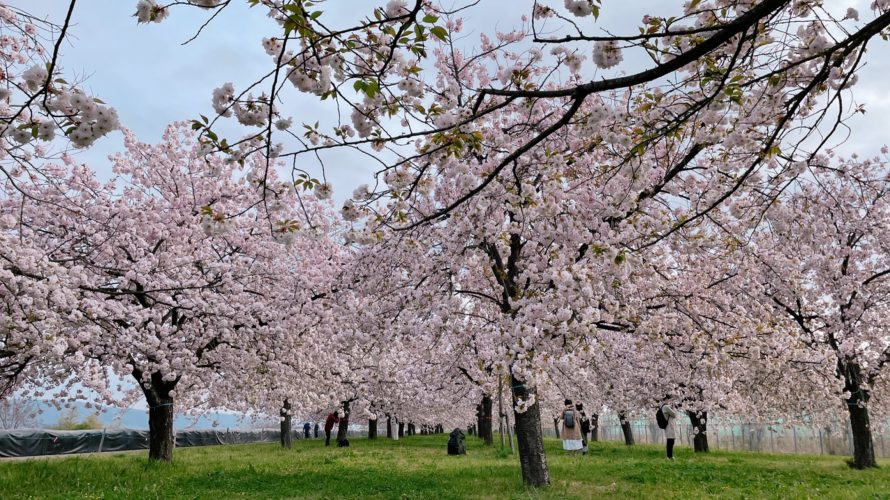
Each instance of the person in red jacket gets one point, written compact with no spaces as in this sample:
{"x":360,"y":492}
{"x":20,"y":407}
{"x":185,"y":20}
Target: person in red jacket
{"x":332,"y":419}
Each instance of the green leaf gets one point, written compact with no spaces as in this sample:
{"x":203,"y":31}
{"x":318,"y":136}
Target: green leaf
{"x":439,"y":32}
{"x":429,"y":18}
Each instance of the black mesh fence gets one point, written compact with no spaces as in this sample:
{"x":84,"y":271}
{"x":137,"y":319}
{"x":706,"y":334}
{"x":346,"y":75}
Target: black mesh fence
{"x":34,"y":442}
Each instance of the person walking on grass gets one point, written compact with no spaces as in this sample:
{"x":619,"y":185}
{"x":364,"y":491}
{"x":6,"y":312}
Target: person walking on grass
{"x":571,"y":428}
{"x":332,"y":419}
{"x":669,"y":419}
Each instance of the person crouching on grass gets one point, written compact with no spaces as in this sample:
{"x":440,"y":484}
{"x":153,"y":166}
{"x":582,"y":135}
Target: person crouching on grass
{"x":571,"y":428}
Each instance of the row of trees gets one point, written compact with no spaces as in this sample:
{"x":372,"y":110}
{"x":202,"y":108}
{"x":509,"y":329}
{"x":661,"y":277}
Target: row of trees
{"x":546,"y":229}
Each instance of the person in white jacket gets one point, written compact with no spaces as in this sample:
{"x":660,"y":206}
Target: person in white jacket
{"x":670,"y":432}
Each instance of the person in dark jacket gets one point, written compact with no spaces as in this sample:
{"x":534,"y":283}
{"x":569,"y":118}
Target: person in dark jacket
{"x":332,"y":419}
{"x":317,"y":428}
{"x":585,"y":427}
{"x":306,"y":428}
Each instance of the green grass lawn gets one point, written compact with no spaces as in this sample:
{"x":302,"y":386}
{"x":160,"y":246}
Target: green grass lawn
{"x":418,"y":467}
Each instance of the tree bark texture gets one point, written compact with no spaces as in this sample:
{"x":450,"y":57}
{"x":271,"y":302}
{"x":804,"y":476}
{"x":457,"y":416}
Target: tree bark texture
{"x":860,"y":423}
{"x":286,"y":422}
{"x":626,"y":429}
{"x":530,"y":438}
{"x":699,"y":421}
{"x":486,"y":429}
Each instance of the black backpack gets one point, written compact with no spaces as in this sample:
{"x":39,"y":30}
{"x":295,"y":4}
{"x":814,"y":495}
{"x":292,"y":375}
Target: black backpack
{"x":660,"y":419}
{"x":569,"y":418}
{"x":456,"y":444}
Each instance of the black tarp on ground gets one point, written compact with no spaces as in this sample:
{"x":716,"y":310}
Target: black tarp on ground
{"x":34,"y":442}
{"x":121,"y":440}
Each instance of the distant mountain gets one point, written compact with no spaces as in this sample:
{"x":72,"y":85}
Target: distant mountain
{"x":130,"y":418}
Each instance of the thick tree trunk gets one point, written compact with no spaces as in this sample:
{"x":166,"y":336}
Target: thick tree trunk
{"x":857,"y":406}
{"x":343,"y":428}
{"x":699,"y":421}
{"x":401,"y":430}
{"x":160,"y":431}
{"x":372,"y":428}
{"x":486,"y":430}
{"x":626,"y":429}
{"x":530,"y":437}
{"x":388,"y":427}
{"x":594,"y":427}
{"x":160,"y":417}
{"x":286,"y":425}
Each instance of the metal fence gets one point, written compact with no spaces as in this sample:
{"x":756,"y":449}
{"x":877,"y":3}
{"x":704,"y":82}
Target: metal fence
{"x":835,"y":439}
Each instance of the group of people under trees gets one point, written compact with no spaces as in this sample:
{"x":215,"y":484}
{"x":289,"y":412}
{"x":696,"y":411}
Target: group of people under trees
{"x":575,"y":427}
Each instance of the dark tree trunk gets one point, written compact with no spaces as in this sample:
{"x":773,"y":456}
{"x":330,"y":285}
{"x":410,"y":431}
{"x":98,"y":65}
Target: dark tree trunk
{"x":594,"y":427}
{"x":556,"y":426}
{"x":530,"y":438}
{"x":857,"y":406}
{"x":372,"y":428}
{"x":626,"y":429}
{"x":343,"y":428}
{"x":388,"y":427}
{"x":160,"y":416}
{"x":401,"y":430}
{"x":699,"y":421}
{"x":286,"y":425}
{"x":486,"y":429}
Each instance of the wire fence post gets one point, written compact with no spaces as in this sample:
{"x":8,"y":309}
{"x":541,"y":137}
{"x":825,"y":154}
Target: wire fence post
{"x":102,"y":440}
{"x":772,"y":447}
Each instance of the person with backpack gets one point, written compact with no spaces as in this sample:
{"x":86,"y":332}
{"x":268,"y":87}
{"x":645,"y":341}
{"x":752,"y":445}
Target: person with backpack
{"x":666,"y":417}
{"x":585,"y":427}
{"x":306,"y":428}
{"x":571,"y":428}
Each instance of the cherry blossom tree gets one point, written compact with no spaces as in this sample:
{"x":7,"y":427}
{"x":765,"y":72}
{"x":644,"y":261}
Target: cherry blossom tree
{"x":824,"y":260}
{"x":180,"y":268}
{"x":535,"y":216}
{"x":37,"y":103}
{"x":751,"y":72}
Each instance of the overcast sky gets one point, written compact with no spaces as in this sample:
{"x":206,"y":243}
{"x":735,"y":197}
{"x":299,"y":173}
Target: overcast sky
{"x":152,"y":80}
